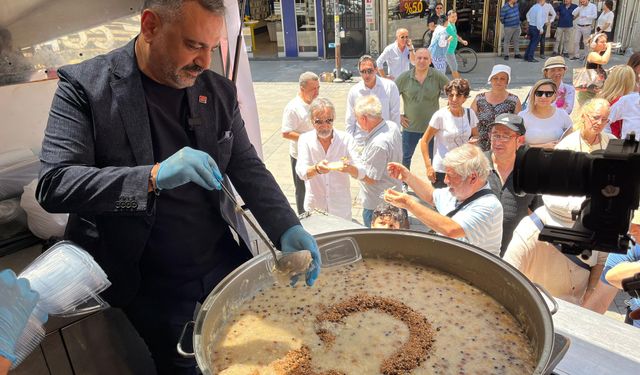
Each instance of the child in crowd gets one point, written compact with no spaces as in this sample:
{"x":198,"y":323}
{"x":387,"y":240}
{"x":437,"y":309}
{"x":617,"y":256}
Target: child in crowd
{"x":386,"y":216}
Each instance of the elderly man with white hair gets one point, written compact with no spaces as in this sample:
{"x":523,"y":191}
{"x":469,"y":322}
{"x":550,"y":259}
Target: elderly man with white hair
{"x":295,"y":121}
{"x":326,"y":158}
{"x":381,"y":146}
{"x":466,"y":210}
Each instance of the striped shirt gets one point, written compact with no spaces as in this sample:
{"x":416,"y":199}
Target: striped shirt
{"x":481,"y":219}
{"x":510,"y":15}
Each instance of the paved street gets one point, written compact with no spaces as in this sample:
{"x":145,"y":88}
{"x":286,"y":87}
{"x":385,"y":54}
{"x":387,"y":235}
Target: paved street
{"x":276,"y":82}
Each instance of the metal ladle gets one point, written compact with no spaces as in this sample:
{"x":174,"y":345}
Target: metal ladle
{"x":288,"y":265}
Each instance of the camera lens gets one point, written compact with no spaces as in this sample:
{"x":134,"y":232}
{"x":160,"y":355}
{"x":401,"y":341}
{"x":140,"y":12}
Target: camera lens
{"x":558,"y":172}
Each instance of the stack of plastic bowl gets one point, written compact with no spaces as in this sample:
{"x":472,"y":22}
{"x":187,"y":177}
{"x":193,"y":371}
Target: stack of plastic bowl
{"x":67,"y":279}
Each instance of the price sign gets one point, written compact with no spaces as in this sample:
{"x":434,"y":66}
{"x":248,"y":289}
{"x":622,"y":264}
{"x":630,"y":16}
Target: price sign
{"x":412,"y":7}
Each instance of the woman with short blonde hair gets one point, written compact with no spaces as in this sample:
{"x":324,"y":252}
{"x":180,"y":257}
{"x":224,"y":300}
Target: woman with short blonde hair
{"x":588,"y":135}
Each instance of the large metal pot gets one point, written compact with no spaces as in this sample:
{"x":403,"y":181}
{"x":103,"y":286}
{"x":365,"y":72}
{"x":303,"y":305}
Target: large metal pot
{"x":488,"y":273}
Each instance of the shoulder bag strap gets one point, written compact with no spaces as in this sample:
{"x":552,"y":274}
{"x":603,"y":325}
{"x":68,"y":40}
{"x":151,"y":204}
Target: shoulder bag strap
{"x":476,"y":195}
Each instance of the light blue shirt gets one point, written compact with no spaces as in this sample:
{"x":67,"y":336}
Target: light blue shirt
{"x":481,"y":219}
{"x":536,"y":16}
{"x":397,"y":61}
{"x":382,"y":146}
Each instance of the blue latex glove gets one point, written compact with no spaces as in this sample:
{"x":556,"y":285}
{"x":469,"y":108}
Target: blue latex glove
{"x":17,"y":301}
{"x":189,"y":165}
{"x":295,"y":239}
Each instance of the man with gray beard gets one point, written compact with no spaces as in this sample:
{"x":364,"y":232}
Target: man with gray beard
{"x":325,"y":162}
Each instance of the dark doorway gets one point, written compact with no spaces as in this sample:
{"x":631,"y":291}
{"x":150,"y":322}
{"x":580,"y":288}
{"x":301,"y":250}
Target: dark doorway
{"x":352,"y":22}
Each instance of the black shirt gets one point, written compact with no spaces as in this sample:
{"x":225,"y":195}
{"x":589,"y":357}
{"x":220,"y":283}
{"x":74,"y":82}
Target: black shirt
{"x":186,"y":231}
{"x":514,"y":207}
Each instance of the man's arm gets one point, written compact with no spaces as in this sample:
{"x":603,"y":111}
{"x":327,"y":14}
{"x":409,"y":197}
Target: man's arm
{"x":289,"y":122}
{"x":394,"y":104}
{"x":350,"y":123}
{"x":70,"y":180}
{"x":381,"y":60}
{"x":5,"y":365}
{"x":598,"y":298}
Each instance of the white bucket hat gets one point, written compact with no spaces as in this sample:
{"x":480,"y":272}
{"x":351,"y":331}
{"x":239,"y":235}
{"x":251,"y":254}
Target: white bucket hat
{"x":500,"y":68}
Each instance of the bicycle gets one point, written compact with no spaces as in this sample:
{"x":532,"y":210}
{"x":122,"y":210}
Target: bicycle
{"x":467,"y":59}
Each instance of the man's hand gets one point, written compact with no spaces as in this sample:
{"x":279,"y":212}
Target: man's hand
{"x":398,"y":171}
{"x":17,"y":301}
{"x":296,"y":239}
{"x":404,"y":121}
{"x":323,"y":167}
{"x":189,"y":165}
{"x":465,"y":43}
{"x":397,"y":198}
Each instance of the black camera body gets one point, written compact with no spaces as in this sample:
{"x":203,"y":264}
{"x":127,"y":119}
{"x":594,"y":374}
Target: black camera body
{"x":609,"y":179}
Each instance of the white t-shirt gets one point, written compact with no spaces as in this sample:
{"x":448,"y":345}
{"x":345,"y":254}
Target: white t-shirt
{"x":605,"y":18}
{"x":545,"y":130}
{"x":481,"y":219}
{"x":331,"y":191}
{"x":295,"y":118}
{"x":627,"y":109}
{"x":574,"y":142}
{"x":452,"y":132}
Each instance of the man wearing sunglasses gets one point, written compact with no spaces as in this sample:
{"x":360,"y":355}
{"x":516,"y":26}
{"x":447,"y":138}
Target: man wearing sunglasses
{"x":385,"y":90}
{"x":399,"y":56}
{"x":507,"y":135}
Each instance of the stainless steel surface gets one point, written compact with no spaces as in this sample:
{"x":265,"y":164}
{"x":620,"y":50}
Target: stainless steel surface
{"x":549,"y":297}
{"x":485,"y":271}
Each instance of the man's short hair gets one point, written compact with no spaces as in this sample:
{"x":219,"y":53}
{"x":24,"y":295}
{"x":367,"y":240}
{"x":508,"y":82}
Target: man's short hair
{"x":450,"y":12}
{"x":320,"y":104}
{"x":306,"y":77}
{"x":171,"y":9}
{"x":366,"y":58}
{"x":385,"y":209}
{"x":466,"y":160}
{"x":368,"y":106}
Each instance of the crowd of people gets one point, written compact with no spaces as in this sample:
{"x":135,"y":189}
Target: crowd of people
{"x":469,"y":147}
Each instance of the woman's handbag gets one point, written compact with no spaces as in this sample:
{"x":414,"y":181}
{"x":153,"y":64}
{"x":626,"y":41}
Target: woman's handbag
{"x":590,"y":80}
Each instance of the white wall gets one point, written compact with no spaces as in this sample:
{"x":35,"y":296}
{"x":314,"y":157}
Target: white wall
{"x":24,"y":109}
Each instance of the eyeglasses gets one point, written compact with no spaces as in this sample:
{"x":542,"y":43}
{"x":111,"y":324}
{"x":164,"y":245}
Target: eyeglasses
{"x":500,"y":137}
{"x":548,"y":94}
{"x":318,"y":121}
{"x":452,"y":95}
{"x":600,"y":120}
{"x":366,"y":71}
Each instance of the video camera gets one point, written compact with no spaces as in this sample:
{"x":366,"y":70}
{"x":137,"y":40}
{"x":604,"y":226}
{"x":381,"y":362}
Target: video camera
{"x":609,"y":179}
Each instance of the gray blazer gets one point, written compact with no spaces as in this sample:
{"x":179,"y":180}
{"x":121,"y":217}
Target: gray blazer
{"x":97,"y":156}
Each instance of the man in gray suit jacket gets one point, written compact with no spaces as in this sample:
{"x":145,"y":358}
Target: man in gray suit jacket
{"x":135,"y":146}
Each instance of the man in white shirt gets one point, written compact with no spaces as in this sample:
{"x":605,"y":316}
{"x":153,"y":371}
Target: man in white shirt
{"x":466,"y":210}
{"x":399,"y":56}
{"x":551,"y":16}
{"x":295,"y":121}
{"x":381,"y":147}
{"x":584,"y":15}
{"x":326,"y":158}
{"x":385,"y":90}
{"x":567,"y":277}
{"x":536,"y":18}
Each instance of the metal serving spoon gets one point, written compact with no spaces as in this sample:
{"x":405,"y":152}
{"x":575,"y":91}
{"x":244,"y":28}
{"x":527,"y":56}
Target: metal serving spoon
{"x":288,"y":265}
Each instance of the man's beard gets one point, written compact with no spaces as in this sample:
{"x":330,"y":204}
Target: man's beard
{"x":179,"y":81}
{"x":324,"y":134}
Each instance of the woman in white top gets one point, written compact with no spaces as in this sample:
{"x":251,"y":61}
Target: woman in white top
{"x":627,"y":109}
{"x":605,"y":21}
{"x":545,"y":123}
{"x":452,"y":126}
{"x":588,"y":136}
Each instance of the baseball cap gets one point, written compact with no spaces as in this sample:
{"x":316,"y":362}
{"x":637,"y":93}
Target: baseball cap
{"x":500,"y":68}
{"x":511,"y":121}
{"x":554,"y":62}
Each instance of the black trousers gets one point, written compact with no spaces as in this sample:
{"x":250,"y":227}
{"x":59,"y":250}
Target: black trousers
{"x":298,"y":184}
{"x":164,"y":305}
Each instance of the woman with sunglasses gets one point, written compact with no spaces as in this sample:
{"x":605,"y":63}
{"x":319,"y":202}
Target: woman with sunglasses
{"x":451,"y":127}
{"x":588,"y":135}
{"x":545,"y":123}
